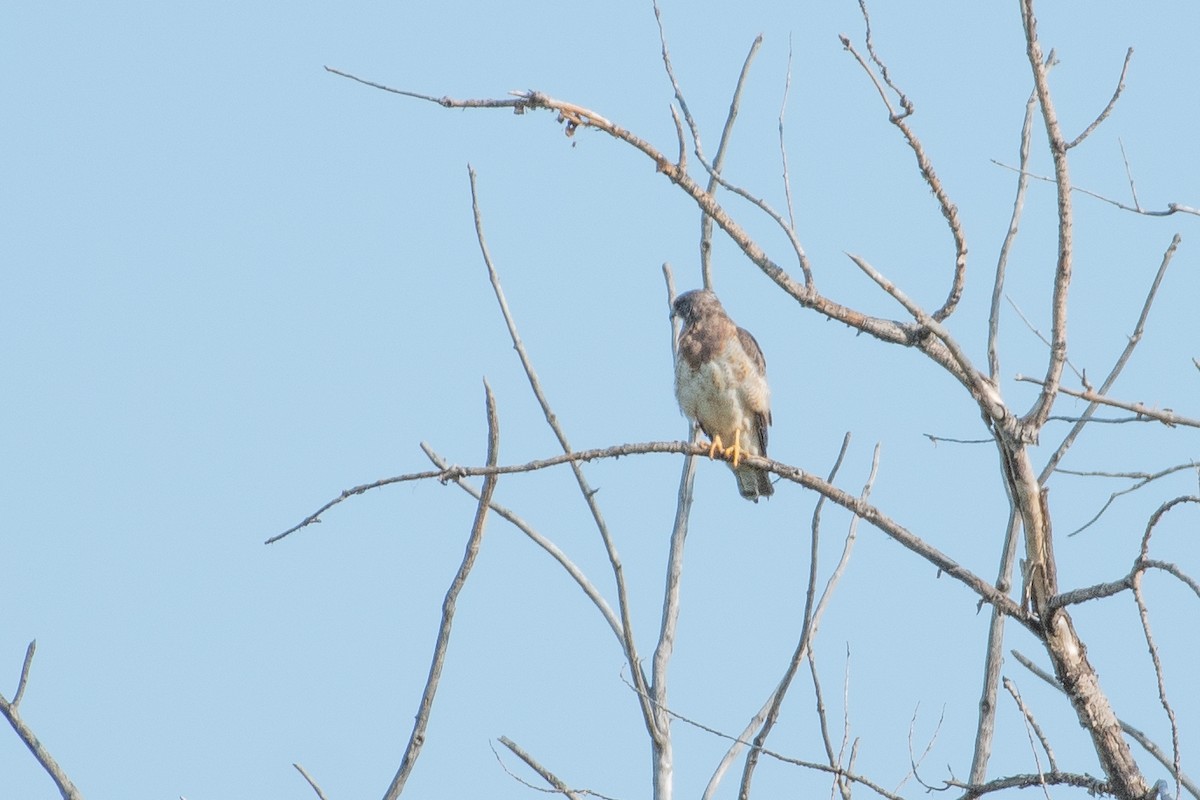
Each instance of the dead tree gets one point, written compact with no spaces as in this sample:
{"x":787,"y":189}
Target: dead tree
{"x":1032,"y":599}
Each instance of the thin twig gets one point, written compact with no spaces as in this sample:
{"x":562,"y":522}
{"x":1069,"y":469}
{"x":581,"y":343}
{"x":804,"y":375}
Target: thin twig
{"x":1033,"y":727}
{"x":1171,"y":209}
{"x":589,"y":495}
{"x":813,"y":615}
{"x":26,"y":665}
{"x":915,"y":761}
{"x":666,"y":57}
{"x":1122,"y":360}
{"x":548,"y":776}
{"x":949,"y":210}
{"x":1142,"y":480}
{"x":1144,"y":616}
{"x":935,"y":439}
{"x":706,"y":222}
{"x":1108,"y":108}
{"x":1141,"y":738}
{"x":1036,"y":332}
{"x":788,"y":229}
{"x":1010,"y":237}
{"x":541,"y":541}
{"x":980,"y":387}
{"x":1166,"y":416}
{"x":1129,"y":175}
{"x":806,"y":632}
{"x":841,"y":757}
{"x":813,"y":765}
{"x":417,"y":739}
{"x":449,"y":472}
{"x":311,"y":781}
{"x":823,"y":721}
{"x":787,"y":180}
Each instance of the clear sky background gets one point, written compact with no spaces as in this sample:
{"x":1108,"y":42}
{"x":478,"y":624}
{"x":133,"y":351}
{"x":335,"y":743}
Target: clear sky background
{"x":233,"y":284}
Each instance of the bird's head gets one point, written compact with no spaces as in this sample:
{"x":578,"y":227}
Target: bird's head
{"x":691,"y":306}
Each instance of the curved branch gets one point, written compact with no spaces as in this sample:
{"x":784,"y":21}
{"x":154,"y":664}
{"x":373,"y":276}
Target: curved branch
{"x":576,"y":116}
{"x":1108,"y":108}
{"x":949,"y":210}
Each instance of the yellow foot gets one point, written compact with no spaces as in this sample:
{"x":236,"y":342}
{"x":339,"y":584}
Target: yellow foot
{"x":716,"y":447}
{"x":736,"y":450}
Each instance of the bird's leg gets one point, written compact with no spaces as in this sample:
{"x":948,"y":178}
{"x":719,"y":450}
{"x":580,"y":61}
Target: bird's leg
{"x":716,"y":447}
{"x":736,"y":450}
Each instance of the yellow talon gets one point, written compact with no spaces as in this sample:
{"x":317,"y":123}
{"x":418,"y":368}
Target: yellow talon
{"x":737,"y":448}
{"x":716,"y":447}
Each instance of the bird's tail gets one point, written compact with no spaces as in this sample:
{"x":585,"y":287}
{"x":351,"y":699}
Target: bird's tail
{"x":754,"y":483}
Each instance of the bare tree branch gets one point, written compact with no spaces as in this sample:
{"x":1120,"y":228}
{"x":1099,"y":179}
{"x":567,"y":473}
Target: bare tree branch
{"x":783,"y":159}
{"x":1140,"y":737}
{"x":1036,"y":417}
{"x":9,"y":711}
{"x":666,"y":57}
{"x":994,"y":655}
{"x":1041,"y":336}
{"x":311,"y":781}
{"x":1144,"y":616}
{"x":1122,"y":360}
{"x":417,"y":739}
{"x":813,"y":765}
{"x":541,"y":541}
{"x":1166,"y":416}
{"x":981,"y":388}
{"x":949,"y":210}
{"x":1094,"y":786}
{"x":589,"y":495}
{"x":1171,"y":209}
{"x":662,"y":748}
{"x":915,"y":761}
{"x":577,"y":116}
{"x":706,"y":222}
{"x":1010,"y":237}
{"x":1108,"y":108}
{"x":1033,"y":726}
{"x":546,"y":774}
{"x":1129,"y":173}
{"x":1141,"y":479}
{"x":811,"y":618}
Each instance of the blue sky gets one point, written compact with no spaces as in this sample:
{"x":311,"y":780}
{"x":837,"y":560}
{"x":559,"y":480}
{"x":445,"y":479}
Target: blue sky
{"x":234,"y":284}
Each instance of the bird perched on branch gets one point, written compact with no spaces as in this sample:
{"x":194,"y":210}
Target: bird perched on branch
{"x":721,"y":385}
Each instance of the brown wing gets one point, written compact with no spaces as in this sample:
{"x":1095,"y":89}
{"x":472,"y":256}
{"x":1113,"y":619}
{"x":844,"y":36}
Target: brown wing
{"x":750,"y":345}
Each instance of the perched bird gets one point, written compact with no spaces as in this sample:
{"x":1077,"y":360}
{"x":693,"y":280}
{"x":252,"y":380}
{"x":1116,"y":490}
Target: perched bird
{"x":721,"y":385}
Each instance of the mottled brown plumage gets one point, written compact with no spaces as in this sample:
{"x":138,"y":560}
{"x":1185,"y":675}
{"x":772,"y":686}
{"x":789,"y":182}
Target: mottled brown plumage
{"x":721,"y":385}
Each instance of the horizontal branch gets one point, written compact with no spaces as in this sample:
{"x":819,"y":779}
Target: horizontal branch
{"x":1166,"y":416}
{"x":1172,"y":208}
{"x":1095,"y":786}
{"x":870,"y":513}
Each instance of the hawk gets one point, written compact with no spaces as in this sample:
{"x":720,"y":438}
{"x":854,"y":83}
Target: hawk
{"x":721,"y":385}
